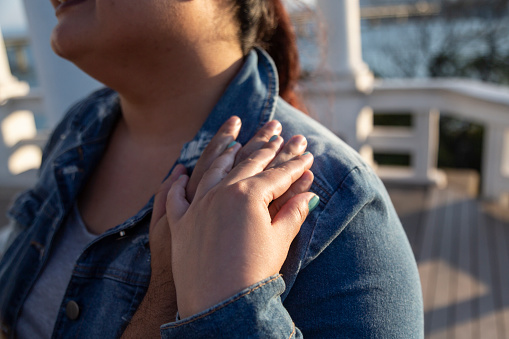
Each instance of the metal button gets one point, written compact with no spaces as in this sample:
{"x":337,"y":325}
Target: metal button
{"x":72,"y":310}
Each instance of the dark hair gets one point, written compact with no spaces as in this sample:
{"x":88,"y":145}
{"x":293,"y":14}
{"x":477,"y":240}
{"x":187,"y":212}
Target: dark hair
{"x":266,"y":23}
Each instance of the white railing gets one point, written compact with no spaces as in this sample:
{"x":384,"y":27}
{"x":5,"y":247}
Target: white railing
{"x":343,"y":97}
{"x":20,"y":142}
{"x":350,"y":115}
{"x":425,"y":100}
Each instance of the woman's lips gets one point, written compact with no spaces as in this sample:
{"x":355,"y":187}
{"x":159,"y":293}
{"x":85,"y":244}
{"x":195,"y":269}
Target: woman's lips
{"x":66,"y":3}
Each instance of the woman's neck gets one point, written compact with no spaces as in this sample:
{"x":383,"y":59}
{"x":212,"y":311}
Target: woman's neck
{"x":170,"y":103}
{"x":166,"y":96}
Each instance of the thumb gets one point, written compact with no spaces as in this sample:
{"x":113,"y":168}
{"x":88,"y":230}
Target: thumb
{"x":176,"y":202}
{"x":294,"y":212}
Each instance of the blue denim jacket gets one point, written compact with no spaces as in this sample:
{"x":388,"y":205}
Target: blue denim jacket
{"x":350,"y":272}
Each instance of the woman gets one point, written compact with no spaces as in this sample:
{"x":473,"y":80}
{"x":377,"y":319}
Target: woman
{"x":179,"y":70}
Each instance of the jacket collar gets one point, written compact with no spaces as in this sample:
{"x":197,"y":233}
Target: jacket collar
{"x":252,"y":95}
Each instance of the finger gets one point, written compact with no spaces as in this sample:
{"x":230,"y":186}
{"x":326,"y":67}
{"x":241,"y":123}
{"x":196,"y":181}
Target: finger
{"x":160,"y":197}
{"x":218,"y":170}
{"x":268,"y":131}
{"x":302,"y":185}
{"x":293,"y":214}
{"x":274,"y":182}
{"x":176,"y":202}
{"x":255,"y":163}
{"x":225,"y":136}
{"x":294,"y":147}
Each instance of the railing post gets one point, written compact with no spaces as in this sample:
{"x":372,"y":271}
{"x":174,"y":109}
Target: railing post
{"x":424,"y":158}
{"x":336,"y":95}
{"x":344,"y":46}
{"x":495,"y":161}
{"x":9,"y":85}
{"x":61,"y":82}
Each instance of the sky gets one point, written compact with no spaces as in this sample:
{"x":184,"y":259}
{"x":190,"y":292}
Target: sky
{"x":13,"y":21}
{"x":12,"y":16}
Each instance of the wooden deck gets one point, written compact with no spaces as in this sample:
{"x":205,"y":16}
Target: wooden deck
{"x":462,"y":248}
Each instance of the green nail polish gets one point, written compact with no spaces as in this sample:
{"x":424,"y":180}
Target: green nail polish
{"x":306,"y":153}
{"x":274,"y":137}
{"x":231,"y":144}
{"x":313,"y":203}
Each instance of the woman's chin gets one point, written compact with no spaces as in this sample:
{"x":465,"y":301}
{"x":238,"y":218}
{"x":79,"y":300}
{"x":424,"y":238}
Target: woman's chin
{"x":64,"y":46}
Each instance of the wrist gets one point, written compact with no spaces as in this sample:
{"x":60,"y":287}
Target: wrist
{"x":193,"y":301}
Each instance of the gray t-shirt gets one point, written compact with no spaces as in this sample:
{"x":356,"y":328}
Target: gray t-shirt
{"x":40,"y":310}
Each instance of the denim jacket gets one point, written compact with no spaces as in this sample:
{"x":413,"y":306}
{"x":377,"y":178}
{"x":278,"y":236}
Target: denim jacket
{"x":350,"y":272}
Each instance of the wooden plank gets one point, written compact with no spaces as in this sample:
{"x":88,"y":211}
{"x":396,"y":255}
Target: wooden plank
{"x":428,"y":267}
{"x":487,"y":316}
{"x":500,"y":236}
{"x":465,"y":288}
{"x":409,"y":204}
{"x":444,"y":297}
{"x":463,"y":257}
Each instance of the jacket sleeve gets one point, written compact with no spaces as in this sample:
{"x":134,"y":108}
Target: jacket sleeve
{"x":358,"y":279}
{"x":256,"y":312}
{"x":364,"y":283}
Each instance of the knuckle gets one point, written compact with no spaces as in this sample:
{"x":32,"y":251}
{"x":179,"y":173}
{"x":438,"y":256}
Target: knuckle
{"x":282,"y":172}
{"x":300,"y":213}
{"x":242,"y":154}
{"x":218,"y":171}
{"x":265,"y":133}
{"x":242,"y":191}
{"x":252,"y":161}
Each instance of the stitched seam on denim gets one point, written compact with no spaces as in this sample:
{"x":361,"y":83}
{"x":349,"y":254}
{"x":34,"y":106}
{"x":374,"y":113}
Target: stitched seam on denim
{"x":318,"y":218}
{"x":322,"y":188}
{"x":372,"y":198}
{"x":356,"y":168}
{"x":321,"y":191}
{"x":102,"y":269}
{"x":224,"y":305}
{"x":293,"y":330}
{"x":322,"y":185}
{"x":105,"y":272}
{"x":271,"y":87}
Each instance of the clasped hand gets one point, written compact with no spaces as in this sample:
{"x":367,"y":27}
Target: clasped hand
{"x":247,"y":206}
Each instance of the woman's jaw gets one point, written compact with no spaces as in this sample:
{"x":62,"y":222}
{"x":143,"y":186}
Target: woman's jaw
{"x":115,"y":40}
{"x":160,"y":57}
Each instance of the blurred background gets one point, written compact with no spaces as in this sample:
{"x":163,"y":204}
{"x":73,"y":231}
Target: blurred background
{"x":419,"y":88}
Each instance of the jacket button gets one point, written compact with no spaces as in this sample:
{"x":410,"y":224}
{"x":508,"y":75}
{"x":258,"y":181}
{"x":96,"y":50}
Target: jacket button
{"x":72,"y":310}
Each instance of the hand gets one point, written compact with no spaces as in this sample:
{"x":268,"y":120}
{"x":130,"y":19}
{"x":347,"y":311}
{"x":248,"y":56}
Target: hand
{"x":228,"y":133}
{"x":161,"y":277}
{"x":226,"y":239}
{"x":159,"y":305}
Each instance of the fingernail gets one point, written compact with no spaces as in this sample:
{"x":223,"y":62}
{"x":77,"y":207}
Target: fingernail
{"x":235,"y":120}
{"x":298,"y":140}
{"x":274,"y":137}
{"x":231,"y":144}
{"x":274,"y":125}
{"x":313,"y":203}
{"x":306,"y":153}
